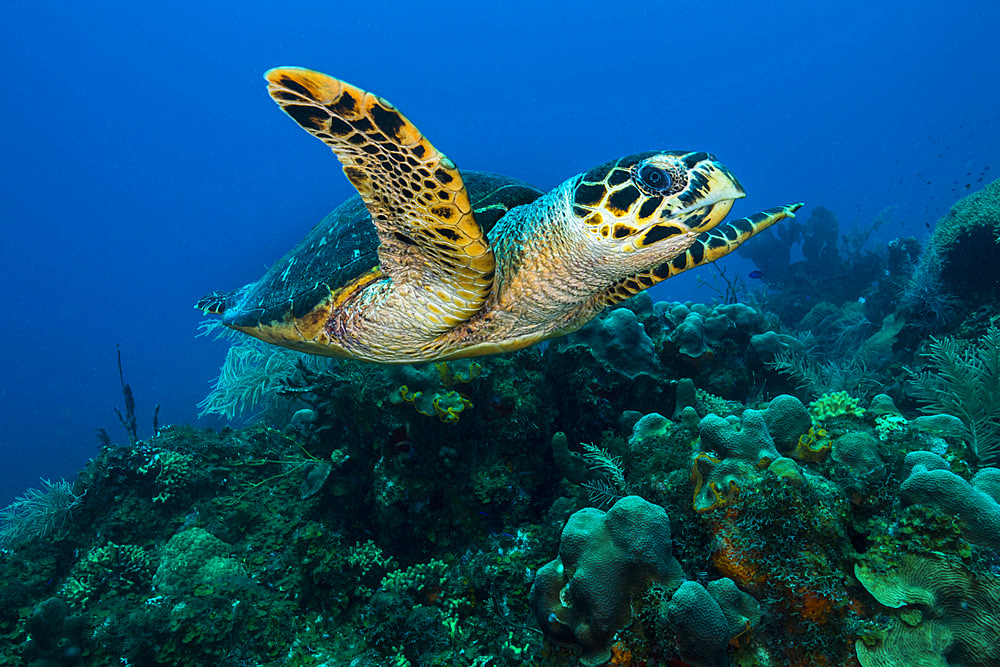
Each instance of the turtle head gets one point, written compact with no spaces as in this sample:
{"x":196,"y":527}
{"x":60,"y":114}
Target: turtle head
{"x":652,"y":206}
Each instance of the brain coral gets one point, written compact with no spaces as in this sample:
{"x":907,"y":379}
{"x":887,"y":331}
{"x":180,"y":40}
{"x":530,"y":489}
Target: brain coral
{"x":948,"y":615}
{"x":859,"y":451}
{"x":787,"y":420}
{"x":583,"y":596}
{"x":975,"y":503}
{"x":191,"y":557}
{"x":706,"y":618}
{"x":702,"y":628}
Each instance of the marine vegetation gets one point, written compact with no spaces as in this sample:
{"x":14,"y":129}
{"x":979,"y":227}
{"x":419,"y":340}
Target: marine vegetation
{"x":672,"y":484}
{"x":646,"y":491}
{"x":966,"y":383}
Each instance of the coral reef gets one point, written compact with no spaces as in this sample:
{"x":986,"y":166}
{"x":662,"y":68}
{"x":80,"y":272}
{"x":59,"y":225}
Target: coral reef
{"x":454,"y":513}
{"x":372,"y":531}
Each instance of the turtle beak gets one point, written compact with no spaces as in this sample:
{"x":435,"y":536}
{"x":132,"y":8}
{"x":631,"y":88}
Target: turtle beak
{"x":708,"y":197}
{"x":712,"y":182}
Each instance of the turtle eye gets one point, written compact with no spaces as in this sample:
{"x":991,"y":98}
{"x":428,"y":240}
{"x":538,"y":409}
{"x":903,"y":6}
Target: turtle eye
{"x":655,"y":178}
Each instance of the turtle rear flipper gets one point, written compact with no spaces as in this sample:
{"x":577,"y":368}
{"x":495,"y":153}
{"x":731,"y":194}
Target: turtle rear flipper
{"x":228,"y":304}
{"x":428,"y":235}
{"x":214,"y":303}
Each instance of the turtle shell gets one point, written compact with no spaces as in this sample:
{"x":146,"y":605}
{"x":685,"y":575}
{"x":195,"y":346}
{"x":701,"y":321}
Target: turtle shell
{"x":342,"y":248}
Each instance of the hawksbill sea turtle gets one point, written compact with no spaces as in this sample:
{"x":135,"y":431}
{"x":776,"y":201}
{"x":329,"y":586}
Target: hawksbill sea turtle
{"x":434,"y":263}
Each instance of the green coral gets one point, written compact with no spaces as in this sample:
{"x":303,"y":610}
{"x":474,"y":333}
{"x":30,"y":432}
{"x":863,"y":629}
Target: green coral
{"x":890,"y":427}
{"x":368,"y":559}
{"x":171,"y":471}
{"x":110,"y":569}
{"x":837,"y":404}
{"x":193,"y":557}
{"x":421,"y":582}
{"x":710,"y":403}
{"x":921,"y":529}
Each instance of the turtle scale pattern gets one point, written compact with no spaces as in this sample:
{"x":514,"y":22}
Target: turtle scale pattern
{"x":339,"y":250}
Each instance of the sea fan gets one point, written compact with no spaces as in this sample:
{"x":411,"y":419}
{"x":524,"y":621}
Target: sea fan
{"x":924,"y":301}
{"x":966,"y":384}
{"x":37,"y":513}
{"x":610,"y":488}
{"x":848,"y":373}
{"x":250,"y":376}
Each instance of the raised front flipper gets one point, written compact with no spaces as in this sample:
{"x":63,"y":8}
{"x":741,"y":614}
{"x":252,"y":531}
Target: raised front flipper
{"x":429,"y":238}
{"x":708,"y":247}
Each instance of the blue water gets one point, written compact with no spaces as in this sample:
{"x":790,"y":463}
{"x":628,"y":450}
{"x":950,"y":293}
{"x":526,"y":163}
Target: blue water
{"x":144,"y":165}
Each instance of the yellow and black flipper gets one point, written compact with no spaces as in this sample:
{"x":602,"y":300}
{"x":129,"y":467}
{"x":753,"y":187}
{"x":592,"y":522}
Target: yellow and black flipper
{"x":428,"y":235}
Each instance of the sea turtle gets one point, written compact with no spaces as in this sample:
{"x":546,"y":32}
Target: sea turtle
{"x":435,"y":263}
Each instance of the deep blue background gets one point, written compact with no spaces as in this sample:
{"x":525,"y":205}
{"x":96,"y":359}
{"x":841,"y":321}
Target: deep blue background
{"x":144,"y":165}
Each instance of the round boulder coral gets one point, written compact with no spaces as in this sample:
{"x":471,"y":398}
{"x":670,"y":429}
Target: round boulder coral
{"x":977,"y":509}
{"x":787,"y":420}
{"x":583,"y":596}
{"x":702,"y":627}
{"x":192,"y":557}
{"x":858,"y":451}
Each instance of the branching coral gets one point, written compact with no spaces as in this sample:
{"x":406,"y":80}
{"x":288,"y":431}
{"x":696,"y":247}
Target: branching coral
{"x":116,"y":568}
{"x":832,"y":406}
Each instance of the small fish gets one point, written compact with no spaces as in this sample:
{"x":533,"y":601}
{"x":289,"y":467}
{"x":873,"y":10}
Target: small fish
{"x":756,"y":274}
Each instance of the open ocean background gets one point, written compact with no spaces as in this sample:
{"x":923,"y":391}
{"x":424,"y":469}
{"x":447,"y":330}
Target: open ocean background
{"x":144,"y":165}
